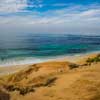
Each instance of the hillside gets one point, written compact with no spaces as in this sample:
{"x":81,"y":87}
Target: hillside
{"x":54,"y":80}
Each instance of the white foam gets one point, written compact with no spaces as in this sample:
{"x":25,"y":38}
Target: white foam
{"x":28,"y":60}
{"x":33,"y":60}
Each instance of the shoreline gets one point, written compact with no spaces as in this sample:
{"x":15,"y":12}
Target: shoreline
{"x":6,"y":70}
{"x":29,"y":61}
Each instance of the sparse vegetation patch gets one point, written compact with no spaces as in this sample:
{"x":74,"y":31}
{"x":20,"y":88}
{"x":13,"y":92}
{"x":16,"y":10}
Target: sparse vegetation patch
{"x":22,"y":90}
{"x":72,"y":66}
{"x":96,"y":59}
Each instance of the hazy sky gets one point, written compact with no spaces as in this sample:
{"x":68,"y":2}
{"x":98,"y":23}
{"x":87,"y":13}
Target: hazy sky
{"x":49,"y":16}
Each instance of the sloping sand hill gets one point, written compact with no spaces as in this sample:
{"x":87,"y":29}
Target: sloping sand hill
{"x":55,"y":80}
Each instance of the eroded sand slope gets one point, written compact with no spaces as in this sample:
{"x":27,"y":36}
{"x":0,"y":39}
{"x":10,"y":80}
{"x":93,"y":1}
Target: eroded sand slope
{"x":55,"y":80}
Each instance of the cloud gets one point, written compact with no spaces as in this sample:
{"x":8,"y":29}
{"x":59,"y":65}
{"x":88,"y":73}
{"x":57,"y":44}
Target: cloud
{"x":10,"y":6}
{"x":73,"y":19}
{"x":13,"y":6}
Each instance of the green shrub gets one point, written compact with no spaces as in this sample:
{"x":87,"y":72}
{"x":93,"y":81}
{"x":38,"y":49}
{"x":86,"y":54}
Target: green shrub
{"x":96,"y":59}
{"x":89,"y":61}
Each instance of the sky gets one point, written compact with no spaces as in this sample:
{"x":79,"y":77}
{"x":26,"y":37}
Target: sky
{"x":49,"y":16}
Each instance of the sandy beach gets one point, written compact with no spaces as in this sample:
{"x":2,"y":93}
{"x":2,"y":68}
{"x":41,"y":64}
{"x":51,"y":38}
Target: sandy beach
{"x":65,"y":78}
{"x":74,"y":59}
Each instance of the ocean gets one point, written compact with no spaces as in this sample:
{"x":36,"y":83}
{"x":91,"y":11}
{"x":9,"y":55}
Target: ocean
{"x":34,"y":48}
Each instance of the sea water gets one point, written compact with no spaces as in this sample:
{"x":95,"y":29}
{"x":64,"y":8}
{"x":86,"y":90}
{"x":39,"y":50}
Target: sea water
{"x":34,"y":48}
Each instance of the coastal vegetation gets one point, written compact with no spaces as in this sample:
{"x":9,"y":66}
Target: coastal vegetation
{"x":93,"y":60}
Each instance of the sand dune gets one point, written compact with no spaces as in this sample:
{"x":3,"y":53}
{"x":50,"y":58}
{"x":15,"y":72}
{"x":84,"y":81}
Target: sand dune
{"x":55,"y":80}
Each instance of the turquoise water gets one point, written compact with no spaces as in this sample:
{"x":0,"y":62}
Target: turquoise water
{"x":22,"y":48}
